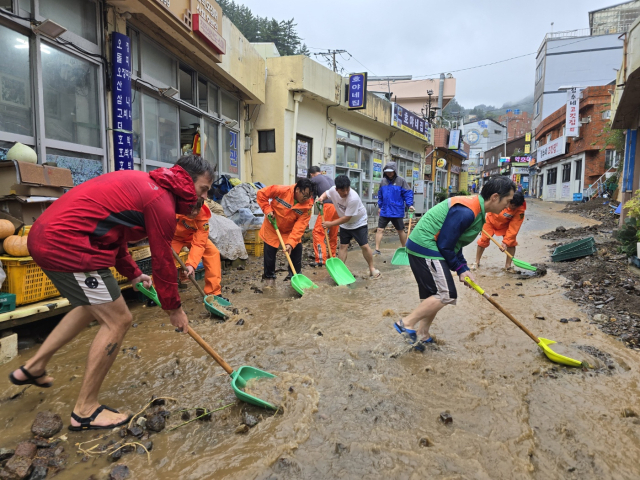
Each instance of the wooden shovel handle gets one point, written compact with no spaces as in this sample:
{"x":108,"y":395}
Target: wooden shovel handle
{"x":512,"y":318}
{"x":207,"y":348}
{"x":496,"y":242}
{"x":284,"y":248}
{"x":184,"y":267}
{"x":326,"y":232}
{"x":410,"y":218}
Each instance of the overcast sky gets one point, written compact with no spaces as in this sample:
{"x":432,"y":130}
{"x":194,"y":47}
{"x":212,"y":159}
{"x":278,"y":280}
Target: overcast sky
{"x":423,"y":37}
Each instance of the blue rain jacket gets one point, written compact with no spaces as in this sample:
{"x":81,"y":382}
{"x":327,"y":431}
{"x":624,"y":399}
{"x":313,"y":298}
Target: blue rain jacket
{"x":394,"y":195}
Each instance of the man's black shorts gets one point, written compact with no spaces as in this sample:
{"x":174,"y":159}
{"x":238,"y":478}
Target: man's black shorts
{"x":434,"y":279}
{"x":395,"y":221}
{"x":360,"y":235}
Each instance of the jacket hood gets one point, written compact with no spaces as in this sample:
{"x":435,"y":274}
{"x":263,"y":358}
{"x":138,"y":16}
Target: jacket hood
{"x":177,"y":181}
{"x":390,"y":165}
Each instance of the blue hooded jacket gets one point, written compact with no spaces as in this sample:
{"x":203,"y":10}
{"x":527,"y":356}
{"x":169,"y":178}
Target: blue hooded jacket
{"x":394,"y":194}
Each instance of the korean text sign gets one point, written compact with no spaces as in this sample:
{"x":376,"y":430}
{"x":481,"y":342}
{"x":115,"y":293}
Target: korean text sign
{"x":409,"y":122}
{"x":121,"y":81}
{"x":573,"y":112}
{"x":357,"y":91}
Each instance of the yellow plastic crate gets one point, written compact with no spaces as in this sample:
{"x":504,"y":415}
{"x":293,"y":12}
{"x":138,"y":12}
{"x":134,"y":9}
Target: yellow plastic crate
{"x":255,"y":249}
{"x":26,"y":281}
{"x":140,"y":253}
{"x":252,"y":236}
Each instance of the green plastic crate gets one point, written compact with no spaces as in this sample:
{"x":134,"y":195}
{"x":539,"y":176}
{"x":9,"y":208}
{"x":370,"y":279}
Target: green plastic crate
{"x":577,"y":245}
{"x":575,"y":252}
{"x":7,"y":302}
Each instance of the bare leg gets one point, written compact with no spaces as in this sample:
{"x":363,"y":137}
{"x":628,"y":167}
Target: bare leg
{"x":71,"y":324}
{"x":425,"y":313}
{"x":379,"y":233}
{"x":479,"y":253}
{"x":368,"y":256}
{"x":115,"y":319}
{"x":342,"y":253}
{"x":512,"y":251}
{"x":403,"y":237}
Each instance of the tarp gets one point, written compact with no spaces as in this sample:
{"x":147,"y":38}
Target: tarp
{"x":227,"y":236}
{"x":242,"y":196}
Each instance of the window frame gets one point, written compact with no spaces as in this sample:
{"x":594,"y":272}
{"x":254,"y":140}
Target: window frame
{"x":566,"y":172}
{"x":552,"y":174}
{"x":261,"y":132}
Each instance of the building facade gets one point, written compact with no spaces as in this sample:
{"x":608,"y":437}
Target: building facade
{"x":128,"y":84}
{"x":580,"y":58}
{"x":495,"y":163}
{"x":570,"y":165}
{"x":446,"y":164}
{"x":481,"y":135}
{"x":516,"y":122}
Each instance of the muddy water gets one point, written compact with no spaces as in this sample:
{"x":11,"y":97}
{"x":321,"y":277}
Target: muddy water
{"x":353,"y":411}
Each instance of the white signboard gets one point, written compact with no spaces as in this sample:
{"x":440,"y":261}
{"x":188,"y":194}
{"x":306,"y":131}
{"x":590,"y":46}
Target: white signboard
{"x":552,"y":149}
{"x":566,"y":190}
{"x":552,"y":191}
{"x":573,"y":112}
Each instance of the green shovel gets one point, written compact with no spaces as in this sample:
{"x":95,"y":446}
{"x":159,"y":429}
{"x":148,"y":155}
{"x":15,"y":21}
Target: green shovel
{"x":336,"y":267}
{"x":299,"y":282}
{"x":401,"y":257}
{"x":239,"y":378}
{"x":516,"y":262}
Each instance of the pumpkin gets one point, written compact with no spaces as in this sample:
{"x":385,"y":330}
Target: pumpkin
{"x":16,"y":245}
{"x":6,"y":228}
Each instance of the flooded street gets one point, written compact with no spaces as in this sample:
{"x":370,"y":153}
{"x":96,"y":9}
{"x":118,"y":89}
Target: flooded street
{"x":350,"y":411}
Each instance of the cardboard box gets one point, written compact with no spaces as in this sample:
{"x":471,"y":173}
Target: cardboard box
{"x":27,"y":179}
{"x":25,"y":209}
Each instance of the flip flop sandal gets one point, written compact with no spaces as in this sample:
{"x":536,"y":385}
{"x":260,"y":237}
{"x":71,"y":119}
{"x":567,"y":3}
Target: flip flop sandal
{"x":31,"y":379}
{"x":410,"y":336}
{"x":399,"y":326}
{"x":421,"y":346}
{"x":376,"y":275}
{"x":85,"y":422}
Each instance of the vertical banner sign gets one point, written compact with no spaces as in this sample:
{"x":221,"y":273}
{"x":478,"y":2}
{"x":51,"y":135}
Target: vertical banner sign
{"x":454,"y":140}
{"x":233,"y":152}
{"x":121,"y":101}
{"x":357,"y":91}
{"x":573,"y":112}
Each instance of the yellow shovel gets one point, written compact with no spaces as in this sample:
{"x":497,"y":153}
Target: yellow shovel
{"x":543,"y":343}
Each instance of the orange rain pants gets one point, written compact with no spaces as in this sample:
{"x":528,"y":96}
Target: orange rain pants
{"x":319,"y":243}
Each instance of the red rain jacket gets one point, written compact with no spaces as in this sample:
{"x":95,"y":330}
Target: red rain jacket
{"x":88,"y":227}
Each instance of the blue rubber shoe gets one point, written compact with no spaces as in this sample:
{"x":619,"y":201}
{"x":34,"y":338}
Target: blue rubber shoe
{"x":410,"y":336}
{"x":422,"y":345}
{"x":399,"y":327}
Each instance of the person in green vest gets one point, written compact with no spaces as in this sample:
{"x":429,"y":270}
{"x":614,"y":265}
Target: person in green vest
{"x":435,"y":250}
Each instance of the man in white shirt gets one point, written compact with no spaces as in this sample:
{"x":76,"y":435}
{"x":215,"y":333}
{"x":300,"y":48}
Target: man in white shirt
{"x":352,"y":218}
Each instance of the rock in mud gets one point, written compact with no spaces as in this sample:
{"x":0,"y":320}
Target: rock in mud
{"x":117,"y":455}
{"x":142,"y":422}
{"x":136,"y":431}
{"x":38,"y":473}
{"x":564,"y":320}
{"x":46,"y":424}
{"x":18,"y":467}
{"x":425,"y":442}
{"x":540,"y":317}
{"x":561,"y":229}
{"x":446,"y":418}
{"x":599,"y":318}
{"x":249,"y":420}
{"x":119,"y":472}
{"x":627,"y":412}
{"x":128,"y":448}
{"x":156,"y":423}
{"x":494,"y":294}
{"x":574,"y":319}
{"x":236,"y":290}
{"x":148,"y":445}
{"x":240,"y":322}
{"x":185,"y":416}
{"x":41,"y":442}
{"x":26,"y":449}
{"x":242,"y":429}
{"x":6,"y":453}
{"x":340,"y":449}
{"x":519,"y":284}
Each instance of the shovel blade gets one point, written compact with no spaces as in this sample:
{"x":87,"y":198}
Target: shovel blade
{"x":339,"y":272}
{"x":210,"y":303}
{"x":401,"y":257}
{"x":239,"y":380}
{"x":556,"y":357}
{"x":300,"y":283}
{"x":524,"y":265}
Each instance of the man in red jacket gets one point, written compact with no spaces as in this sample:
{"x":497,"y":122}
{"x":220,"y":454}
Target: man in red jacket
{"x":84,"y":233}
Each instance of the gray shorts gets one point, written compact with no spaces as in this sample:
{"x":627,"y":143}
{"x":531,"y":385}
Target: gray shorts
{"x":90,"y":288}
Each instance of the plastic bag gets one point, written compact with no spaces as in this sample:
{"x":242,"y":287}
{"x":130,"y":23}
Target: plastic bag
{"x":245,"y":219}
{"x":228,"y":237}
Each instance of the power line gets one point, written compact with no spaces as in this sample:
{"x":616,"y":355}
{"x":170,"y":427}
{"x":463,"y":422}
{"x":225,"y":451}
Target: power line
{"x":331,"y":54}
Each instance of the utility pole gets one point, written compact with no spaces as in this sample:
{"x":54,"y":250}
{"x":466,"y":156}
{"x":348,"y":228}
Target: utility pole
{"x":332,"y":54}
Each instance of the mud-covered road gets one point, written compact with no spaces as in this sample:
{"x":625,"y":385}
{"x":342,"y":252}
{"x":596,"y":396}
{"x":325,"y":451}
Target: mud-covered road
{"x":350,"y":410}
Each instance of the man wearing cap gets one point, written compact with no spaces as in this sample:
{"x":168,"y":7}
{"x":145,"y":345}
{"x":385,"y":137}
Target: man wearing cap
{"x":393,"y":195}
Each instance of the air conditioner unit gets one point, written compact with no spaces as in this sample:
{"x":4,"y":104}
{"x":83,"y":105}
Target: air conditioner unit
{"x":584,"y":120}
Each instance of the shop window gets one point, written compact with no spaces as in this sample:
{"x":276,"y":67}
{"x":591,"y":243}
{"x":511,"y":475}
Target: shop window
{"x":203,"y":103}
{"x":352,"y":157}
{"x":342,"y":133}
{"x":340,"y":155}
{"x":367,"y":142}
{"x":15,"y":83}
{"x":566,"y":173}
{"x":186,"y":85}
{"x":578,"y":170}
{"x":160,"y":130}
{"x":135,"y":56}
{"x":136,"y":124}
{"x":552,"y":176}
{"x":189,"y":127}
{"x":71,"y":100}
{"x":77,"y":16}
{"x":209,"y":142}
{"x":230,"y":107}
{"x":378,"y":145}
{"x":213,"y":99}
{"x":230,"y":162}
{"x":610,"y":159}
{"x":25,"y":5}
{"x":267,"y":141}
{"x":365,"y":162}
{"x":83,"y":166}
{"x":157,"y":65}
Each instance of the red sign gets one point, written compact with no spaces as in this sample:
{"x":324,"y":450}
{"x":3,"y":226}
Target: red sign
{"x":208,"y":34}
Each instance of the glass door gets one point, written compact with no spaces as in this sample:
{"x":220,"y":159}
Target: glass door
{"x":356,"y":181}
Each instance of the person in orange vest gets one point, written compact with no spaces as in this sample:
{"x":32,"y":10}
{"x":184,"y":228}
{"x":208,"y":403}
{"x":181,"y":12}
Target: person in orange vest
{"x":505,"y":224}
{"x":323,"y":183}
{"x":291,"y":206}
{"x":192,"y":231}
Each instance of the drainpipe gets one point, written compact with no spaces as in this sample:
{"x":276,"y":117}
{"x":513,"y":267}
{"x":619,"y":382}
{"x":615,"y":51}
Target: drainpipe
{"x":297,"y":98}
{"x":440,"y":95}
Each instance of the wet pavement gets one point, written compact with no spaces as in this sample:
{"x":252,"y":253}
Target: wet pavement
{"x":484,"y":403}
